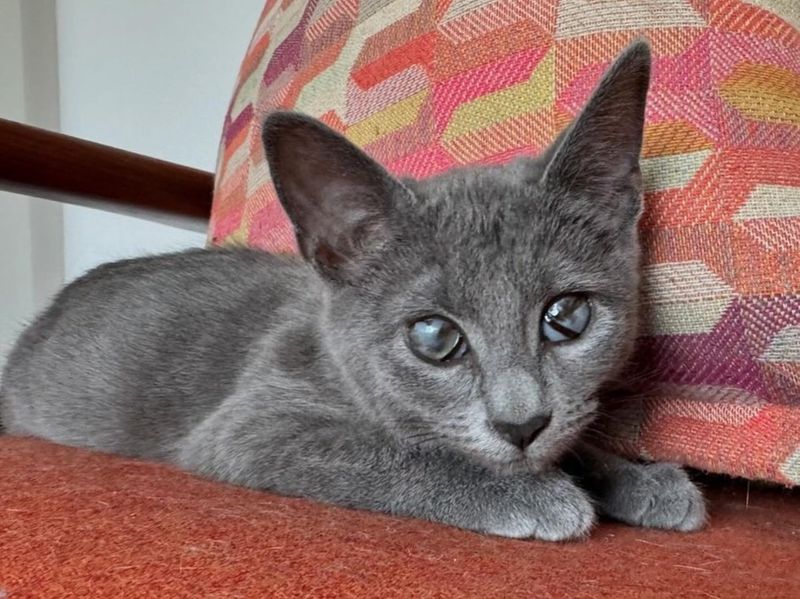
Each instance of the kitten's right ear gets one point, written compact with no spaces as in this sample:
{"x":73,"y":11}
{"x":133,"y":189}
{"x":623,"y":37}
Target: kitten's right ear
{"x":337,"y":197}
{"x":598,"y":153}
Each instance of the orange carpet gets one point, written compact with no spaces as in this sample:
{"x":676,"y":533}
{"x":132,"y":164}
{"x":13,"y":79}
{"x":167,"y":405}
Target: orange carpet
{"x":77,"y":524}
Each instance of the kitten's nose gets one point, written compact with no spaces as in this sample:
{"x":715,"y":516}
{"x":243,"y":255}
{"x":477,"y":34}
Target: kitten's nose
{"x":522,"y":434}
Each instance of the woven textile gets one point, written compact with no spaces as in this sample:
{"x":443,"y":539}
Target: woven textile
{"x":80,"y":525}
{"x":423,"y":85}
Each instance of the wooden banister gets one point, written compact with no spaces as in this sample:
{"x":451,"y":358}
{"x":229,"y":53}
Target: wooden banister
{"x":59,"y":167}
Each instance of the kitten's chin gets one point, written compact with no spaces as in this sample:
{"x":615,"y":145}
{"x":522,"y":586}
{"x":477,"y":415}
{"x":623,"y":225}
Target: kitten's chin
{"x":524,"y":465}
{"x":514,"y":463}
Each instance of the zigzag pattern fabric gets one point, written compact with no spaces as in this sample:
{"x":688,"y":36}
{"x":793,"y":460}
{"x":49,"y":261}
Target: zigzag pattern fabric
{"x":424,"y":85}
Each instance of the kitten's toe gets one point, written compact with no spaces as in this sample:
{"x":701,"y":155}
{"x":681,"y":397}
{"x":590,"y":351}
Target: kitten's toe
{"x":571,"y":520}
{"x":565,"y":514}
{"x":658,"y":496}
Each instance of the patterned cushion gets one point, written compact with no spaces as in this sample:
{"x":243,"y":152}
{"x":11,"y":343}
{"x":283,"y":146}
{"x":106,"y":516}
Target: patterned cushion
{"x":423,"y":85}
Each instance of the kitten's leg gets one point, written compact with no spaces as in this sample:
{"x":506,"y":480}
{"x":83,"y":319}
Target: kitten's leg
{"x":653,"y":495}
{"x":352,"y":466}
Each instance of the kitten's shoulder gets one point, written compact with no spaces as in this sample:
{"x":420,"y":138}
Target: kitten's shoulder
{"x":196,"y":259}
{"x":225,"y":277}
{"x":212,"y":266}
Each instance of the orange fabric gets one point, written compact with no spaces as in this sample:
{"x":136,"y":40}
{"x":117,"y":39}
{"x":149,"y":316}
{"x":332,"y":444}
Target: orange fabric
{"x":78,"y":524}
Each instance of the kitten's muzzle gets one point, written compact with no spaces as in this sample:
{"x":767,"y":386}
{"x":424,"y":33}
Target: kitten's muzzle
{"x":522,"y":434}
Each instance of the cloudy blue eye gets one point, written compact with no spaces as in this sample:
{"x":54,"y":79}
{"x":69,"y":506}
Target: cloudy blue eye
{"x":566,"y":318}
{"x":436,"y":339}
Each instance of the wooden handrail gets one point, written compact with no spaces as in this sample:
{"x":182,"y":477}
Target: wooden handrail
{"x":59,"y":167}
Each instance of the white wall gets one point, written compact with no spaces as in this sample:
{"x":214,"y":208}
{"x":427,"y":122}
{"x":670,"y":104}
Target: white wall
{"x":150,"y":76}
{"x":31,"y":248}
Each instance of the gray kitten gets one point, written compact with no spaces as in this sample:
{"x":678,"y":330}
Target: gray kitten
{"x":434,"y":354}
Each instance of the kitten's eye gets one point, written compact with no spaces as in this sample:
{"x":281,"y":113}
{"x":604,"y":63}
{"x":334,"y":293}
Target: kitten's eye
{"x":436,"y":339}
{"x":566,"y":318}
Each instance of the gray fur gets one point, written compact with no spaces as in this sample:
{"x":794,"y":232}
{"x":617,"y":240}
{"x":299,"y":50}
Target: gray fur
{"x":293,"y":375}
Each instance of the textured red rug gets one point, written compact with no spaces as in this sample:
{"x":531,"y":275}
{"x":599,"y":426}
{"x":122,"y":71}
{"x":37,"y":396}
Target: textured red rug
{"x":78,"y":524}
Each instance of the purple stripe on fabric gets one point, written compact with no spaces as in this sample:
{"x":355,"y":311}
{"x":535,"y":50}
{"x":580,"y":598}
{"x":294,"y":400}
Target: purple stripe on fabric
{"x":288,"y":53}
{"x":239,"y":123}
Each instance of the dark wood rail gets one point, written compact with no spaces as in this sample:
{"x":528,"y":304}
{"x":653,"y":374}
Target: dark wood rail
{"x":59,"y":167}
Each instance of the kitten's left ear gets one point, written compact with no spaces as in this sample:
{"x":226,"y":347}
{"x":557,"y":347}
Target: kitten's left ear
{"x":338,"y":198}
{"x":599,"y":152}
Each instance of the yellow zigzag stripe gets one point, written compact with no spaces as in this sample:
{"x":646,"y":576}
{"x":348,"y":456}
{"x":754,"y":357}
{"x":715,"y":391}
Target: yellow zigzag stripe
{"x":532,"y":95}
{"x":764,"y":92}
{"x":391,"y":119}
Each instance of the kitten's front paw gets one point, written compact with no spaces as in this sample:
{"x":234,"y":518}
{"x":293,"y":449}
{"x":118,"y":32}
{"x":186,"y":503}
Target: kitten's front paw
{"x":553,"y":509}
{"x":656,"y":496}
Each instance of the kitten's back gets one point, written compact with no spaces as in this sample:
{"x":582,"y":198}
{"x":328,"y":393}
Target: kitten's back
{"x":131,"y":355}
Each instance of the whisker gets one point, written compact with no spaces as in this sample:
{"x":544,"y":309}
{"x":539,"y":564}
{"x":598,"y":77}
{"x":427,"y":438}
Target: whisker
{"x":419,"y":436}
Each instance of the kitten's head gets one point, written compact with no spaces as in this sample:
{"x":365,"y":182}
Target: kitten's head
{"x":481,"y":309}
